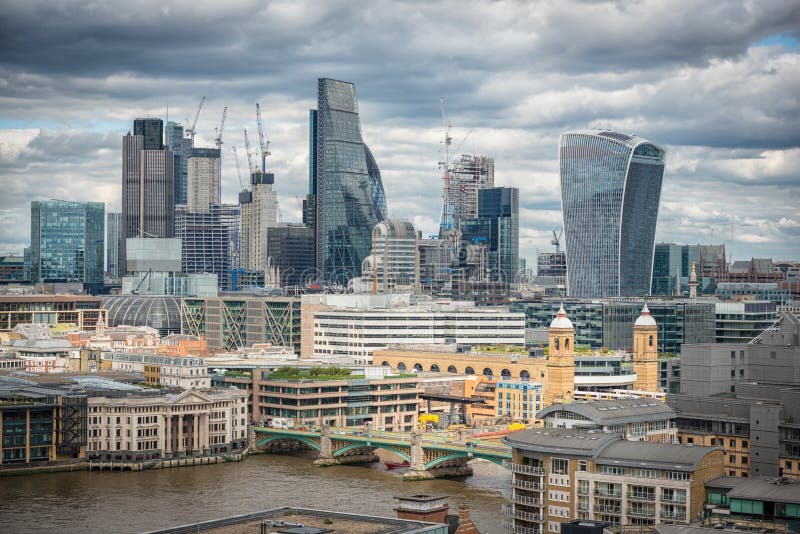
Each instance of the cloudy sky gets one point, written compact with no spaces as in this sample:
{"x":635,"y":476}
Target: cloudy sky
{"x":717,"y":83}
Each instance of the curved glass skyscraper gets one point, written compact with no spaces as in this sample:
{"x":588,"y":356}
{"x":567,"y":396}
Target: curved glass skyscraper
{"x":610,"y":191}
{"x":345,"y":183}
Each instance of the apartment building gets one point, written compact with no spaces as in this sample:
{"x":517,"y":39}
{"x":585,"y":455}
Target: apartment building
{"x":142,"y":428}
{"x":561,"y":474}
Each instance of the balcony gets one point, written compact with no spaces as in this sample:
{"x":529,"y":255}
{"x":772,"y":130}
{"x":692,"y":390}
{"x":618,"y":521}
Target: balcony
{"x":584,"y":490}
{"x":676,"y":516}
{"x":676,"y":500}
{"x":523,"y":515}
{"x":641,"y":513}
{"x":526,"y":500}
{"x":608,"y":493}
{"x":524,"y":484}
{"x":510,"y":527}
{"x":524,"y":469}
{"x":642,"y":497}
{"x":583,"y":506}
{"x":617,"y":510}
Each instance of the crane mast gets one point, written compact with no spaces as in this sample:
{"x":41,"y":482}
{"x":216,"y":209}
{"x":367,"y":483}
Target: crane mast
{"x":249,"y":155}
{"x":263,"y":140}
{"x":218,"y":141}
{"x":238,"y":170}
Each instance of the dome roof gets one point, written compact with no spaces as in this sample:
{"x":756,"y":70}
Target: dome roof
{"x":645,"y":319}
{"x":561,"y":320}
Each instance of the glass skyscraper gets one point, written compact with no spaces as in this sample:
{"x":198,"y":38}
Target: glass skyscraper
{"x":67,"y":241}
{"x":496,"y":227}
{"x":610,"y":191}
{"x":114,"y":259}
{"x":346,"y":191}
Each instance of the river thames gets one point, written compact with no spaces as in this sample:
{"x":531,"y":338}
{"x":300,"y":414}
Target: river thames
{"x":111,"y":502}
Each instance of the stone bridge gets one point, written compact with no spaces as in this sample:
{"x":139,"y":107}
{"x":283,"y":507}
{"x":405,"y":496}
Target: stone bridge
{"x":429,"y":456}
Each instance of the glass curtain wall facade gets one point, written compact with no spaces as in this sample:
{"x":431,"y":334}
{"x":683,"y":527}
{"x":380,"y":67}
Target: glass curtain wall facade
{"x":610,"y":192}
{"x":180,"y":147}
{"x":114,"y":260}
{"x":500,"y":205}
{"x":67,"y":241}
{"x":347,"y":192}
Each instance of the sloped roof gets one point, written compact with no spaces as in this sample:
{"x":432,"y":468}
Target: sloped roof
{"x":615,"y":412}
{"x":653,"y":455}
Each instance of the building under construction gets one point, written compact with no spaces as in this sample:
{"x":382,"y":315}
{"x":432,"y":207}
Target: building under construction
{"x":463,"y":179}
{"x":209,"y":241}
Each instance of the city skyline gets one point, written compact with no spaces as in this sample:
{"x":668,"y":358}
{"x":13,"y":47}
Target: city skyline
{"x":61,"y":121}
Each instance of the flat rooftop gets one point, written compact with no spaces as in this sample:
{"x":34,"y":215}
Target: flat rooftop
{"x":304,"y":521}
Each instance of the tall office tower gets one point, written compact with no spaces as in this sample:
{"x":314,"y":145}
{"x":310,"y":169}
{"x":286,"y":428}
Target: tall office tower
{"x":209,"y":241}
{"x":345,"y":183}
{"x":496,"y":227}
{"x":435,"y":259}
{"x":393,"y":265}
{"x":203,"y":185}
{"x":148,"y":201}
{"x":114,"y":260}
{"x":290,"y":249}
{"x":610,"y":190}
{"x":259,"y":213}
{"x":67,"y":241}
{"x":466,"y":177}
{"x":180,"y":147}
{"x":551,"y":263}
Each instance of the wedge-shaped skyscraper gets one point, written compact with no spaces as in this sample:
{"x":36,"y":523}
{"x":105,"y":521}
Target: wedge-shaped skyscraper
{"x":610,"y":191}
{"x":346,"y":191}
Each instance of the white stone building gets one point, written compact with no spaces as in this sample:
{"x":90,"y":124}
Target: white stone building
{"x":185,"y":372}
{"x":141,"y":428}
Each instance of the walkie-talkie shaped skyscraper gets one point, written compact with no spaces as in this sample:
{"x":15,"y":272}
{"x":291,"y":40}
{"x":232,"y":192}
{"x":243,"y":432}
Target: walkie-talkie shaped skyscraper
{"x":610,"y":191}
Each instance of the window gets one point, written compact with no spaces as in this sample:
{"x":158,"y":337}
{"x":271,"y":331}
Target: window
{"x":559,"y":466}
{"x":732,"y":443}
{"x":733,"y":372}
{"x":582,"y":465}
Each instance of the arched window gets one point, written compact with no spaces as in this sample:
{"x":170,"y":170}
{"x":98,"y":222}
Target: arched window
{"x":505,"y":374}
{"x":469,"y":371}
{"x":385,"y":364}
{"x":488,"y":373}
{"x":555,"y":343}
{"x":434,"y":368}
{"x":418,"y":367}
{"x":566,"y":343}
{"x":524,"y":375}
{"x":452,"y":369}
{"x":401,"y":366}
{"x":650,"y":341}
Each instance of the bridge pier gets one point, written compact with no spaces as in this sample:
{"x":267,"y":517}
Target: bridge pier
{"x":456,"y":467}
{"x":359,"y":455}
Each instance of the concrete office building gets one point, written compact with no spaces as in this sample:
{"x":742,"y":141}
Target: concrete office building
{"x":672,"y":265}
{"x":393,"y":265}
{"x":154,"y":267}
{"x":345,"y":185}
{"x":209,"y":240}
{"x":67,"y":242}
{"x":466,"y":177}
{"x":610,"y":191}
{"x":551,"y":264}
{"x":259,"y":213}
{"x":81,"y":310}
{"x":560,"y":474}
{"x":356,"y":325}
{"x":234,"y":321}
{"x":636,"y":419}
{"x":203,"y":179}
{"x":182,"y":372}
{"x":435,"y":259}
{"x":115,"y":263}
{"x":761,"y":503}
{"x":740,"y":322}
{"x":148,"y":183}
{"x":290,"y":250}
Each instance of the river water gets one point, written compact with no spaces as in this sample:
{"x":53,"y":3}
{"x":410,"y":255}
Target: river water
{"x":112,"y":502}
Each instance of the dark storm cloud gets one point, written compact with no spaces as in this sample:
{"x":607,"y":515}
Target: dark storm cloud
{"x":515,"y":74}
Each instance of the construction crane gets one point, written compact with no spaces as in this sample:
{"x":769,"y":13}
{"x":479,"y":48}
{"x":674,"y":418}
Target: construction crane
{"x":249,"y":155}
{"x":191,"y":129}
{"x":263,"y":140}
{"x":238,"y":169}
{"x":218,"y":129}
{"x":446,"y":223}
{"x":556,"y":241}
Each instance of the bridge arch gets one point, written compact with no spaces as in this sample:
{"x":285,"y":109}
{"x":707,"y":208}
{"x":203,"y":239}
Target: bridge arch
{"x":452,"y":369}
{"x":311,"y":443}
{"x":434,"y":368}
{"x":348,"y":448}
{"x":460,"y":455}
